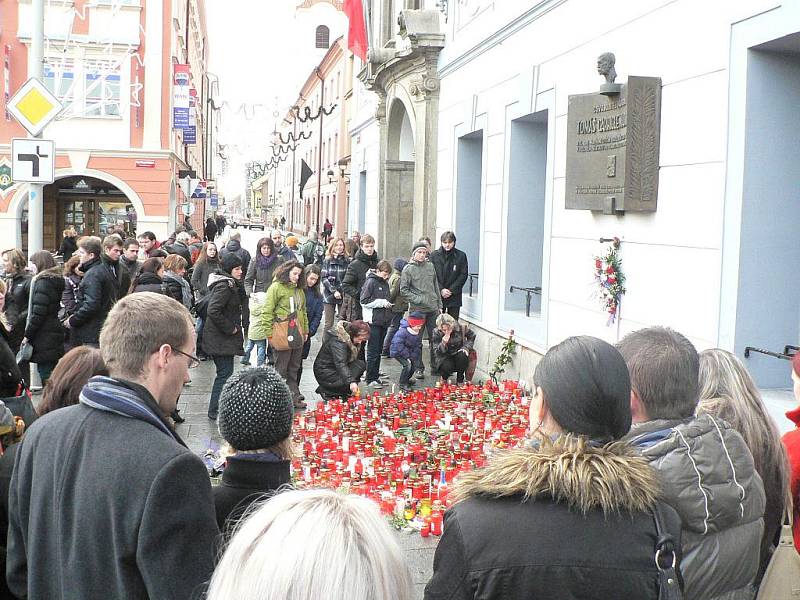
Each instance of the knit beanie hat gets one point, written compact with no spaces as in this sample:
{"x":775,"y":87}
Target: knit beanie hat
{"x":255,"y":409}
{"x":230,"y":261}
{"x":291,"y":241}
{"x":399,"y":264}
{"x":419,"y":245}
{"x":416,"y":319}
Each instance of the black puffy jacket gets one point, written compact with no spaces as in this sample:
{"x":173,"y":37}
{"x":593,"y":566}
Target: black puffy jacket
{"x":150,"y":282}
{"x":331,"y":367}
{"x":356,"y":273}
{"x":569,"y":520}
{"x":451,"y":273}
{"x":44,"y":330}
{"x":96,"y":295}
{"x":19,"y":287}
{"x":222,"y":332}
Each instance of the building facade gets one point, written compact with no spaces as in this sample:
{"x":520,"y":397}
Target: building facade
{"x":112,"y":63}
{"x":714,"y":260}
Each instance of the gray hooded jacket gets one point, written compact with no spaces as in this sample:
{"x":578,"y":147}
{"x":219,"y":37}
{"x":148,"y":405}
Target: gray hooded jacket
{"x":707,"y":475}
{"x":419,"y":287}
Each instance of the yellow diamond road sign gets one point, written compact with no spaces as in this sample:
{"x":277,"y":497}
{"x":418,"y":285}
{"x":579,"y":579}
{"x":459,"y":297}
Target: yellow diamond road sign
{"x":34,"y":106}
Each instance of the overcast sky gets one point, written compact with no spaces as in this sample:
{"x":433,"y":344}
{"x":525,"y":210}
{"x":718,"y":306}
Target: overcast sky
{"x":254,"y":51}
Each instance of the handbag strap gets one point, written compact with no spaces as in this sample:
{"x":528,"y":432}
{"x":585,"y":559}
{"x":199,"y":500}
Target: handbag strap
{"x":666,"y":559}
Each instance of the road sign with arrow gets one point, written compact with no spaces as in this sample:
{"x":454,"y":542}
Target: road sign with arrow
{"x":33,"y":160}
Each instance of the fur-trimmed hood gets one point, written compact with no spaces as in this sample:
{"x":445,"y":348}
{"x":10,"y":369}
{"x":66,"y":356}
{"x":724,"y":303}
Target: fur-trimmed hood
{"x":569,"y":469}
{"x":341,"y":333}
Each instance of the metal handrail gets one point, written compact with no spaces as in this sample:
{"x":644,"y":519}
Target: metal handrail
{"x":530,"y":292}
{"x":783,"y":355}
{"x":471,"y":276}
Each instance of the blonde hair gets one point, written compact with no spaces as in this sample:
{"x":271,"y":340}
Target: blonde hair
{"x":137,"y":326}
{"x":445,"y":319}
{"x":332,"y":245}
{"x":310,"y":544}
{"x":727,"y":391}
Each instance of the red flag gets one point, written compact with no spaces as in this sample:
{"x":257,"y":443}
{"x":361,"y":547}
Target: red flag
{"x":357,"y":33}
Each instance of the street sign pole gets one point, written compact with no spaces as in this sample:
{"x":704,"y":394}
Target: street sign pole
{"x":36,"y":190}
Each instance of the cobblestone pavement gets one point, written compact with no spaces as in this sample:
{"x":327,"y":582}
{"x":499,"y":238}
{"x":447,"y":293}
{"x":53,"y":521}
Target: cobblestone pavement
{"x":200,"y":433}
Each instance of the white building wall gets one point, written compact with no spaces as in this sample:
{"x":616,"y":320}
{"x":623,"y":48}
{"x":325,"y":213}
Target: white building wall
{"x":510,"y":59}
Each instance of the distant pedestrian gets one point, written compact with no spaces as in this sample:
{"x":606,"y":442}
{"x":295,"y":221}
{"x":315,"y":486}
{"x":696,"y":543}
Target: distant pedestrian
{"x":18,"y":284}
{"x":43,"y":330}
{"x":175,"y":279}
{"x":285,"y":297}
{"x":68,"y":244}
{"x":195,"y":246}
{"x":97,"y":293}
{"x":365,"y":259}
{"x":280,"y":248}
{"x":327,"y":231}
{"x":255,"y":420}
{"x":150,"y":277}
{"x":141,"y":488}
{"x":207,"y":263}
{"x":452,"y":270}
{"x":406,"y":348}
{"x":334,"y":268}
{"x":261,"y":267}
{"x":571,"y":513}
{"x":376,"y":308}
{"x":283,"y":222}
{"x":221,"y":223}
{"x":130,"y":257}
{"x":292,"y":244}
{"x":112,"y":253}
{"x":234,"y":246}
{"x":210,"y":230}
{"x":337,"y":367}
{"x":313,"y":250}
{"x":222,"y":331}
{"x":181,"y":246}
{"x":728,"y":392}
{"x":420,"y":289}
{"x":149,"y":246}
{"x":399,"y":304}
{"x":282,"y":551}
{"x":69,"y":297}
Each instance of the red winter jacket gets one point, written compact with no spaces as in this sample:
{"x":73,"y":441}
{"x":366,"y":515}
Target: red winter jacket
{"x":791,"y":440}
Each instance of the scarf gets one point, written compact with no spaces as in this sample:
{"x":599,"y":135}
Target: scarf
{"x":186,"y":291}
{"x":264,"y":262}
{"x":109,"y":395}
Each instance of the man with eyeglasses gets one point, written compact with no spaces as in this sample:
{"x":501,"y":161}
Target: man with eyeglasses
{"x":107,"y":486}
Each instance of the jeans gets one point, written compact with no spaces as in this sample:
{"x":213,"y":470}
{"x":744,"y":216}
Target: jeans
{"x":224,"y":365}
{"x":287,"y":363}
{"x":261,"y":352}
{"x":198,"y":329}
{"x":393,"y":327}
{"x":409,"y":367}
{"x":377,"y":333}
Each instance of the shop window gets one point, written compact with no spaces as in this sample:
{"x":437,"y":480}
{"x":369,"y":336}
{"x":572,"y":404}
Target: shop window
{"x":59,"y":78}
{"x":323,"y":37}
{"x":469,"y":186}
{"x":526,"y":212}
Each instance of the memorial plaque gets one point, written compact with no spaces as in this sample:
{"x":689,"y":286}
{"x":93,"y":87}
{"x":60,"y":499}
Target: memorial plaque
{"x":613,"y":148}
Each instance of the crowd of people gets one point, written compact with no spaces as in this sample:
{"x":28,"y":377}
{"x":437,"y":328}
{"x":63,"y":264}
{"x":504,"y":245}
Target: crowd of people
{"x":650,"y":469}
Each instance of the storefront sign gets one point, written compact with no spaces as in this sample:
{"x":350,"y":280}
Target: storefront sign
{"x":613,"y":148}
{"x":214,"y":200}
{"x":146,"y":164}
{"x":180,"y":97}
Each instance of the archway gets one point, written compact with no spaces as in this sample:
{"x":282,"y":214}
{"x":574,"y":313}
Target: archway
{"x":398,"y":216}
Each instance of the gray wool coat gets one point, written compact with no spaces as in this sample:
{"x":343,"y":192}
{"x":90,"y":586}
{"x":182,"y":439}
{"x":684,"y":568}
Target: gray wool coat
{"x":117,"y":509}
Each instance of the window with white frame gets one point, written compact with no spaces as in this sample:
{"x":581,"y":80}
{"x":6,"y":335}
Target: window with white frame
{"x":102,"y":79}
{"x":59,"y":78}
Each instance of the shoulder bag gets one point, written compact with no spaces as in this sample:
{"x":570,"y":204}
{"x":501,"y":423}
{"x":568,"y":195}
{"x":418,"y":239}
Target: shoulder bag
{"x":666,"y":558}
{"x":287,"y":333}
{"x":782,"y":577}
{"x":26,"y":348}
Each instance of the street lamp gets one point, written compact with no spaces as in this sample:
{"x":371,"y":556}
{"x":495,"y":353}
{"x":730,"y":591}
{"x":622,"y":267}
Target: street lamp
{"x":330,"y":176}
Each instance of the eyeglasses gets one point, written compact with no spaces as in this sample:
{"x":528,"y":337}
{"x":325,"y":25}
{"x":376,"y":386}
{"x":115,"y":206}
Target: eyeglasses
{"x":193,"y":360}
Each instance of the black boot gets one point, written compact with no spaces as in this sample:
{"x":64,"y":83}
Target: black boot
{"x":176,"y":416}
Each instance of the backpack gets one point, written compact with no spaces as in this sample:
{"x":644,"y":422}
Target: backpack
{"x":201,"y":307}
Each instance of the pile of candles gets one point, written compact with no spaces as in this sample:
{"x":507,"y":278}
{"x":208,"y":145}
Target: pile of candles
{"x":403,"y":450}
